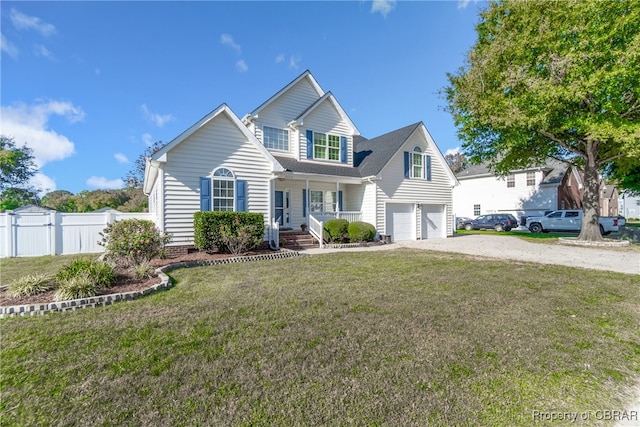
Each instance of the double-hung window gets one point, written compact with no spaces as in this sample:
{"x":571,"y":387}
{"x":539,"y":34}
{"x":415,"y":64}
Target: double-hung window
{"x":511,"y":181}
{"x":326,"y":146}
{"x":322,"y":201}
{"x":417,"y":164}
{"x":275,"y":139}
{"x":223,"y":190}
{"x":531,"y":178}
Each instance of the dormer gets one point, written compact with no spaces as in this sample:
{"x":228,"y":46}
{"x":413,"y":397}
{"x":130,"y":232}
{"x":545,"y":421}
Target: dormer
{"x":303,"y":122}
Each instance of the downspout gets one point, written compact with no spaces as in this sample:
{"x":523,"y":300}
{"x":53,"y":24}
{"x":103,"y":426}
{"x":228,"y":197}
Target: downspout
{"x":338,"y":206}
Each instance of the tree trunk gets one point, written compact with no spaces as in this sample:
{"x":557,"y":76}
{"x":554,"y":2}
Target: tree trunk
{"x":591,"y":199}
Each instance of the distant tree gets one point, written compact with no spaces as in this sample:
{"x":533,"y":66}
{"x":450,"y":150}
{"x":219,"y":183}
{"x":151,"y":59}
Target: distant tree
{"x":60,"y":200}
{"x":17,"y":164}
{"x":553,"y":79}
{"x":456,"y":162}
{"x":136,"y":201}
{"x":135,"y":177}
{"x":13,"y":198}
{"x":625,"y":177}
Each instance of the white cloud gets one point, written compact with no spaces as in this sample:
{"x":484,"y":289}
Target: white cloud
{"x":227,"y":40}
{"x":242,"y":66}
{"x":462,"y":4}
{"x":147,"y":139}
{"x":42,"y":183}
{"x":29,"y":124}
{"x":43,"y":51}
{"x":158,"y":119}
{"x":452,"y":151}
{"x":280,"y":58}
{"x":294,"y":62}
{"x":8,"y":47}
{"x":121,"y":158}
{"x":383,"y":6}
{"x":102,"y":183}
{"x":26,"y":22}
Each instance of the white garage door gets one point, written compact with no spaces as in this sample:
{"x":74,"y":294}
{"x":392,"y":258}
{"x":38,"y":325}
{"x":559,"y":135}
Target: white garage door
{"x":433,"y":222}
{"x":401,"y":222}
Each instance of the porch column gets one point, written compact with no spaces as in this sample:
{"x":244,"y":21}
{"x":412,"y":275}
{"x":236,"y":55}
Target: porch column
{"x":338,"y":207}
{"x":308,"y":201}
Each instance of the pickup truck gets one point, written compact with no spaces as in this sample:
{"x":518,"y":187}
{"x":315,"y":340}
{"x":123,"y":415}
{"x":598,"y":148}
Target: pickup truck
{"x":567,"y":220}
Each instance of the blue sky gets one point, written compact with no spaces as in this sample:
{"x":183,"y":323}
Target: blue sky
{"x":89,"y":85}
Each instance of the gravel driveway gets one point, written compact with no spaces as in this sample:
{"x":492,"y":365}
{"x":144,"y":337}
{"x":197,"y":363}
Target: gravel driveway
{"x":621,"y":260}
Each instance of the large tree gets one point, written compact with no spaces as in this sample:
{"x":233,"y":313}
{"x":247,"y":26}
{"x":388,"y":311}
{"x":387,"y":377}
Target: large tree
{"x":17,"y":164}
{"x":556,"y":79}
{"x":135,"y":177}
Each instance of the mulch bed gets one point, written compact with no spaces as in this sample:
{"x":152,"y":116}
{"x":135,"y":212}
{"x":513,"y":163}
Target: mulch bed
{"x":125,"y":282}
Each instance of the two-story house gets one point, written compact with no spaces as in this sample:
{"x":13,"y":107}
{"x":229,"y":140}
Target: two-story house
{"x":525,"y":192}
{"x":299,"y":159}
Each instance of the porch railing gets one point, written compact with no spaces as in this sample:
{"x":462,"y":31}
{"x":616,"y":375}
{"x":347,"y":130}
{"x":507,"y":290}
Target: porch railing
{"x":316,"y":228}
{"x":350,"y":216}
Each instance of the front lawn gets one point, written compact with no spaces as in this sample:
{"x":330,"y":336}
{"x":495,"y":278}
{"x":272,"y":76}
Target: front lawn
{"x":396,"y":337}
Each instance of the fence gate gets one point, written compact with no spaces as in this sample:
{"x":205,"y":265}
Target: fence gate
{"x":33,"y":231}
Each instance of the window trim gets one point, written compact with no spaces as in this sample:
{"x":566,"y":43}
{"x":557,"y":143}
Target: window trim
{"x":328,"y":142}
{"x":280,"y":132}
{"x":511,"y":181}
{"x":531,"y":179}
{"x":228,"y":177}
{"x":313,"y":205}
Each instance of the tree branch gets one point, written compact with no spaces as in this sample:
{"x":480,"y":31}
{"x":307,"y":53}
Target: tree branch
{"x":562,"y":143}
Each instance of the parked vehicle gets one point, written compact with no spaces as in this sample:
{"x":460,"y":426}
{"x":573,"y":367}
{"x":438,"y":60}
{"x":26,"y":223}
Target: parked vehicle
{"x":622,"y":221}
{"x":498,"y":222}
{"x":460,"y":220}
{"x":568,"y":220}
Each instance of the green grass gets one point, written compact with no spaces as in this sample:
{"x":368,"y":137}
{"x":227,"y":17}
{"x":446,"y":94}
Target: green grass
{"x":373,"y":338}
{"x":13,"y":268}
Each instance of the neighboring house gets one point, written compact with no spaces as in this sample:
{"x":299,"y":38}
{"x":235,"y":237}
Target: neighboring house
{"x":525,"y":192}
{"x":299,"y":159}
{"x":629,"y":205}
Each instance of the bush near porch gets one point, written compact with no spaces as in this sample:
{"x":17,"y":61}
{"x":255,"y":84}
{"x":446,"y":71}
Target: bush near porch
{"x":339,"y":230}
{"x":211,"y":228}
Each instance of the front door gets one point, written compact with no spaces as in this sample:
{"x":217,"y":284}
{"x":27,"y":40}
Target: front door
{"x":282,"y":205}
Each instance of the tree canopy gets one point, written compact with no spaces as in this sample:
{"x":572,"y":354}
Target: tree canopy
{"x":135,"y":177}
{"x":17,"y":164}
{"x":553,"y":79}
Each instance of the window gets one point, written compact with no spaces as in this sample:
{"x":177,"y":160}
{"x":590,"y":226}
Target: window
{"x":511,"y":181}
{"x":326,"y":146}
{"x":571,"y":214}
{"x":416,"y":163}
{"x":531,"y":178}
{"x":322,"y":201}
{"x":223,"y":190}
{"x":476,"y":210}
{"x":276,"y":139}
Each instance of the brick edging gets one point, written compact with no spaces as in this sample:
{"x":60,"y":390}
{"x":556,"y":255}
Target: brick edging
{"x":105,"y":300}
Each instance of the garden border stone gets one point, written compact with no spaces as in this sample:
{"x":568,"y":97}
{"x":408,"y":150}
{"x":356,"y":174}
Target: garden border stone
{"x":105,"y":300}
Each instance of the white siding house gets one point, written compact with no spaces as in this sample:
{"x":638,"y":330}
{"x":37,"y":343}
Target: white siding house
{"x":298,"y":158}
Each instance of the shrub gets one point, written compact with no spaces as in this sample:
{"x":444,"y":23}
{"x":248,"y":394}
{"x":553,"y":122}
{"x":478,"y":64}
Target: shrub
{"x":74,"y":287}
{"x":240,"y":240}
{"x":336,"y":229}
{"x":100,"y":273}
{"x":31,"y":284}
{"x":210,"y":226}
{"x":133,"y":241}
{"x":143,"y":270}
{"x":361,"y":231}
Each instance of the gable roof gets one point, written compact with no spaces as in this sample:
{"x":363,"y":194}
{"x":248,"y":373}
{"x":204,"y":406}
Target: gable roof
{"x":371,"y":155}
{"x":305,"y":75}
{"x":327,"y":97}
{"x":555,"y":171}
{"x":160,"y":156}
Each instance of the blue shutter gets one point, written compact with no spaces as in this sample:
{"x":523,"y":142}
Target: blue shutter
{"x":406,"y":164}
{"x":309,"y":144}
{"x":205,"y":194}
{"x":241,"y":195}
{"x":427,"y":170}
{"x":343,"y":149}
{"x":304,"y":202}
{"x":340,"y":201}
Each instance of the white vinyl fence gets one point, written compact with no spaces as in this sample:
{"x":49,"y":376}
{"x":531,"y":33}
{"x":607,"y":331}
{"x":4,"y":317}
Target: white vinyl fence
{"x":26,"y":234}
